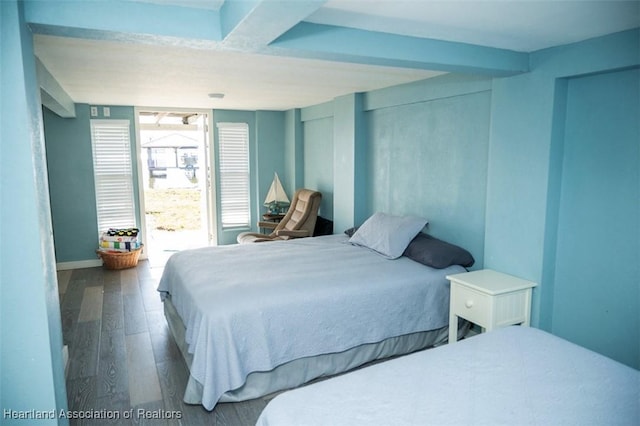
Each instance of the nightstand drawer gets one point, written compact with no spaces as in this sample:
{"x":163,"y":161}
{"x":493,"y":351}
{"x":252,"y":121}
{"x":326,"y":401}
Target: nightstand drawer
{"x":470,"y":304}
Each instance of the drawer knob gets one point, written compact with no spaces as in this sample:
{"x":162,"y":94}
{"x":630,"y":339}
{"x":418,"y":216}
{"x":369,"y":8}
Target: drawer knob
{"x":468,"y":303}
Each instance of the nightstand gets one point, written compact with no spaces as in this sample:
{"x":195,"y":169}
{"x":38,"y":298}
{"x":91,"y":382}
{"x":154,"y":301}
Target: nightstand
{"x":489,"y":299}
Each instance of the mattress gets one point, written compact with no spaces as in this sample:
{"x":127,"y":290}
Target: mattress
{"x":303,"y":370}
{"x":251,"y":308}
{"x":510,"y":376}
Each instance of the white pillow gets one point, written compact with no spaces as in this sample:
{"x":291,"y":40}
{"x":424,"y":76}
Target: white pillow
{"x":388,"y":235}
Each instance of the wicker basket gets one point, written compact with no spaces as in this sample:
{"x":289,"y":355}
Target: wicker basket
{"x":119,"y":260}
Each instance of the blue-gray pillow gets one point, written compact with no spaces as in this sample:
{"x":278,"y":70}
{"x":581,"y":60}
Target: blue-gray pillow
{"x":436,"y":253}
{"x":388,"y":235}
{"x":349,"y":232}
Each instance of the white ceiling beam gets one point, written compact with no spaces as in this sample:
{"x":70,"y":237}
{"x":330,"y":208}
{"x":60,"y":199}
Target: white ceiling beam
{"x":52,"y":95}
{"x":250,"y":25}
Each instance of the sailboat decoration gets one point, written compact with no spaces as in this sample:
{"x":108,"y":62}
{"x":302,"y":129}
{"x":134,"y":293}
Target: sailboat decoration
{"x":277,"y":199}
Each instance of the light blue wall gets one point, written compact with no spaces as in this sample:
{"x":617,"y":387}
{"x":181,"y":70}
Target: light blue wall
{"x":69,"y":155}
{"x":293,"y":151}
{"x":270,"y":151}
{"x":71,"y":182}
{"x":228,"y":236}
{"x":71,"y":185}
{"x":525,"y":194}
{"x":484,"y":160}
{"x":349,"y":161}
{"x":268,"y":146}
{"x":317,"y":162}
{"x":32,"y":376}
{"x":419,"y":148}
{"x":430,"y":159}
{"x":597,"y":272}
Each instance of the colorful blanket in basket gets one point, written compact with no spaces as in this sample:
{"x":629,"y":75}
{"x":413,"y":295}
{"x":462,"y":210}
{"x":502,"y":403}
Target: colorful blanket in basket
{"x":120,"y":239}
{"x":116,"y":245}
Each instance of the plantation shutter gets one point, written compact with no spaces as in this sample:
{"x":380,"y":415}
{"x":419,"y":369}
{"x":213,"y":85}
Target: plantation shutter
{"x":113,"y":175}
{"x":233,"y":152}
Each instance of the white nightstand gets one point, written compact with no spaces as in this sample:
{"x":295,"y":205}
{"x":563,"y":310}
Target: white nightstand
{"x":490,"y":299}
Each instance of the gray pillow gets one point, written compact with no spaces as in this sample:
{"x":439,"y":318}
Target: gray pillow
{"x":351,"y":231}
{"x":388,"y":235}
{"x":436,"y":253}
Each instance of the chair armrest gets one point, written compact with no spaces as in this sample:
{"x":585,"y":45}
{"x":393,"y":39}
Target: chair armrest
{"x":267,"y":224}
{"x":293,"y":234}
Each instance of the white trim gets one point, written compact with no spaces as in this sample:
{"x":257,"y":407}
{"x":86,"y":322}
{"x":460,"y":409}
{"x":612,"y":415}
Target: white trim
{"x":78,"y":264}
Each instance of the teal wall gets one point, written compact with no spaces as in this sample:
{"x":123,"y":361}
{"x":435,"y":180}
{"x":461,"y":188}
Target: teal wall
{"x":71,"y":182}
{"x":71,"y":185}
{"x":430,"y":159}
{"x":536,"y":125}
{"x":317,"y":164}
{"x":270,"y":151}
{"x":293,"y":151}
{"x":486,"y":161}
{"x":483,"y":159}
{"x":31,"y":361}
{"x":597,"y":272}
{"x":532,"y":126}
{"x":419,"y":148}
{"x":350,"y":160}
{"x":267,"y":155}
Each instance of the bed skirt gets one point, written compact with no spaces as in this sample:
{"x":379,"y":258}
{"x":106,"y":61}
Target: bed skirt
{"x":300,"y":371}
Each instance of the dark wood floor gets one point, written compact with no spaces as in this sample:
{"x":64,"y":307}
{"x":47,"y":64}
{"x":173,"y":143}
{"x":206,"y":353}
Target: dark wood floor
{"x":122,"y":356}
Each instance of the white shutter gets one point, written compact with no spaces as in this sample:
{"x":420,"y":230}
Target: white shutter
{"x":113,"y":174}
{"x":233,"y":154}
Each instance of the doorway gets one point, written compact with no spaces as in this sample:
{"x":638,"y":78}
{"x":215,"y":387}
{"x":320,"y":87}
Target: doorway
{"x":175,"y":181}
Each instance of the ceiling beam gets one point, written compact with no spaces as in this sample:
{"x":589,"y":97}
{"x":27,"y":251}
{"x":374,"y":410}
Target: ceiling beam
{"x":374,"y":48}
{"x":125,"y":21}
{"x":52,"y":95}
{"x":250,"y":25}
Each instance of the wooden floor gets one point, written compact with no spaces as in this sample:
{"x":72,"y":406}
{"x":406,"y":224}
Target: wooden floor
{"x":122,"y":356}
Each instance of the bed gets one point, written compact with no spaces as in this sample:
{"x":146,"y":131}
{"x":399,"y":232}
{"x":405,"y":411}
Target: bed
{"x":512,"y":376}
{"x":258,"y":318}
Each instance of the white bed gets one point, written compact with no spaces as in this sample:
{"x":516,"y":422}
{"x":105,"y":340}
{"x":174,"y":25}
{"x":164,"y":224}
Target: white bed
{"x":510,"y":376}
{"x":243,"y":310}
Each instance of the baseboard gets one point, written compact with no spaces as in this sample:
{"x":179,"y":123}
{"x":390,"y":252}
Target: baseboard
{"x":79,"y":264}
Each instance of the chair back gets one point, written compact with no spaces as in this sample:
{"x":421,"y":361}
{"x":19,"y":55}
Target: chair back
{"x":302,"y":213}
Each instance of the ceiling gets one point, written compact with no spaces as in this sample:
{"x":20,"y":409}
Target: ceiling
{"x":112,"y":72}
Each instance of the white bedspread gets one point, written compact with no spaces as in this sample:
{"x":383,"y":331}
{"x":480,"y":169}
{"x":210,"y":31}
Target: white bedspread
{"x":253,"y":307}
{"x":511,"y":376}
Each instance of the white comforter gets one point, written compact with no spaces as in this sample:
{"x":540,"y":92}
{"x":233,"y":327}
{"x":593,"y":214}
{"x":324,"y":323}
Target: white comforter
{"x":510,"y":376}
{"x":253,"y":307}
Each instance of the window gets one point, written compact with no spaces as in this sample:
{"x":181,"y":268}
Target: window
{"x":234,"y":174}
{"x":113,"y":174}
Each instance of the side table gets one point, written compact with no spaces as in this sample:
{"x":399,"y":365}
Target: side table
{"x":489,"y":299}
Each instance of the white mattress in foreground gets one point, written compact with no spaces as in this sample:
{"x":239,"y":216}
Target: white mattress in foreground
{"x":511,"y":376}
